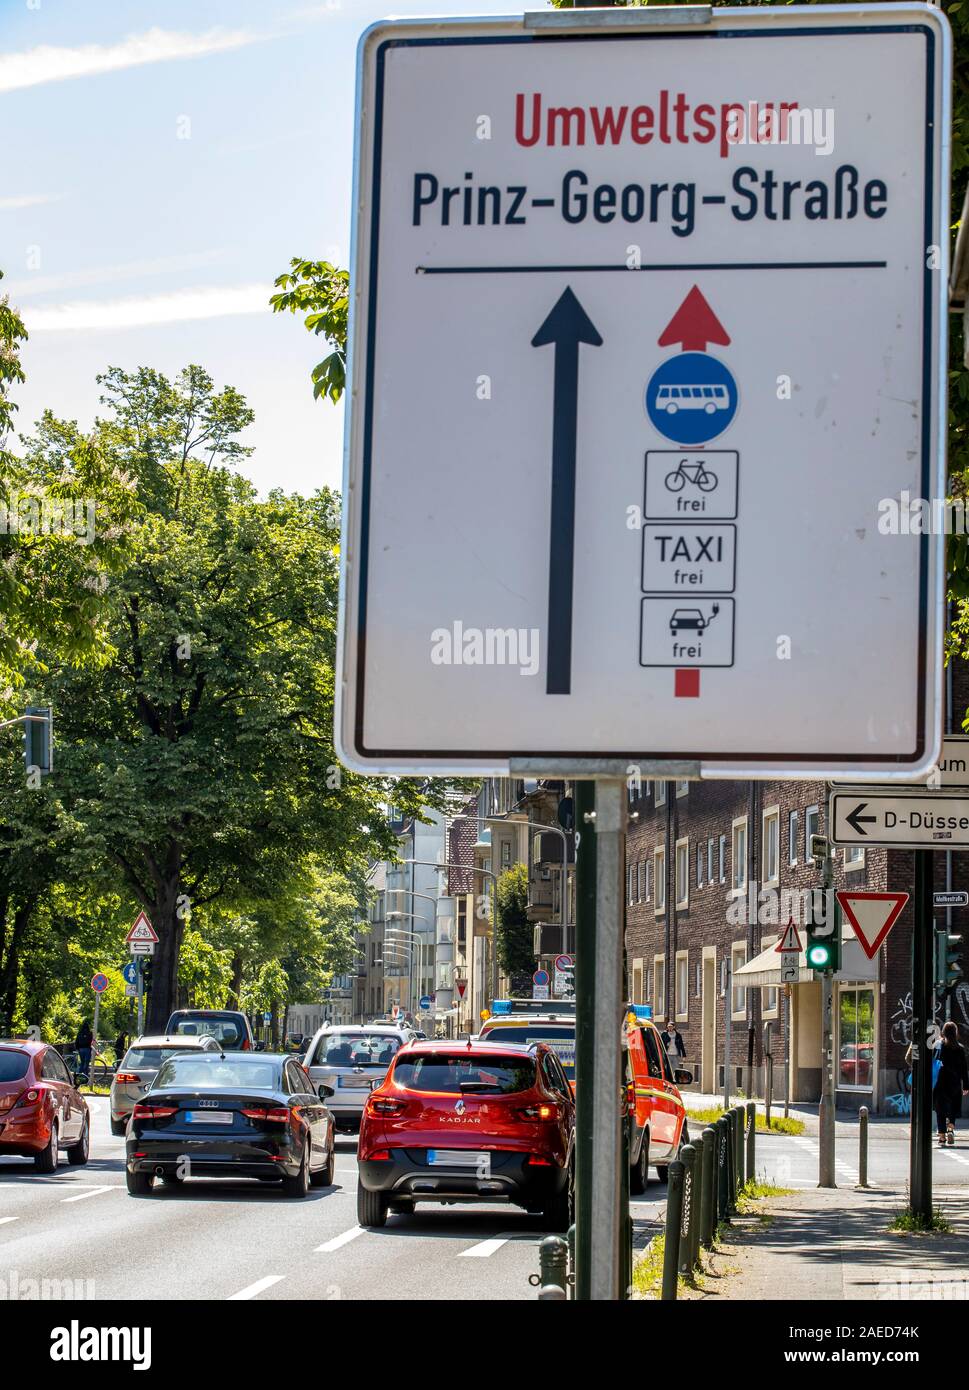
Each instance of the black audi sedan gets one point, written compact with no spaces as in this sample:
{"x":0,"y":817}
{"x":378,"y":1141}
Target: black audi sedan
{"x":231,"y":1115}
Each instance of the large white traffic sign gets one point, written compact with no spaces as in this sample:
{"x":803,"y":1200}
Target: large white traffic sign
{"x":898,"y":820}
{"x":647,"y":363}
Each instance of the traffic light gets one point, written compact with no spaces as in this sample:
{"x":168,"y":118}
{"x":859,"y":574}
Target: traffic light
{"x":39,"y":738}
{"x":823,"y":948}
{"x":823,"y":952}
{"x":948,"y":962}
{"x":146,"y":974}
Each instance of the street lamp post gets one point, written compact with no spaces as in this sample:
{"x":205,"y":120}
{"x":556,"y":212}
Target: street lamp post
{"x":415,"y":937}
{"x":473,"y":869}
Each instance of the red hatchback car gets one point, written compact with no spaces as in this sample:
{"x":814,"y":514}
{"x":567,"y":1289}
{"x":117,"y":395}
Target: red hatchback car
{"x":477,"y":1121}
{"x":41,"y":1110}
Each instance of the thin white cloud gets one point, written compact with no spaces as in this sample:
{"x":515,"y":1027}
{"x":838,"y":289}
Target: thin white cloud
{"x":49,"y":64}
{"x":28,"y":200}
{"x":109,"y":274}
{"x":181,"y":307}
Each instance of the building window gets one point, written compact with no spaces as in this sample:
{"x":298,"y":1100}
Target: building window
{"x":659,"y":879}
{"x":638,"y":997}
{"x":738,"y":855}
{"x":659,"y":986}
{"x":856,"y":1038}
{"x":792,"y":838}
{"x":700,"y":854}
{"x":682,"y":883}
{"x":682,"y":985}
{"x":723,"y":858}
{"x":641,"y":880}
{"x":632,"y":883}
{"x":682,"y":788}
{"x":811,"y":822}
{"x":506,"y":854}
{"x":769,"y":995}
{"x":770,"y":867}
{"x":738,"y":993}
{"x":660,"y":793}
{"x":710,"y":860}
{"x":698,"y":981}
{"x":854,"y":858}
{"x":723,"y":978}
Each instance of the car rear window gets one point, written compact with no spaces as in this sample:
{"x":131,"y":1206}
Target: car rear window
{"x":560,"y":1039}
{"x":457,"y":1073}
{"x":214,"y":1074}
{"x":152,"y":1056}
{"x":227,"y":1031}
{"x":13,"y":1064}
{"x":356,"y":1050}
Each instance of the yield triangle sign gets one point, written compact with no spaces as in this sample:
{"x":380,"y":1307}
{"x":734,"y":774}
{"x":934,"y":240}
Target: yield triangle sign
{"x":872,"y":915}
{"x":142,"y":930}
{"x":790,"y":941}
{"x":460,"y":986}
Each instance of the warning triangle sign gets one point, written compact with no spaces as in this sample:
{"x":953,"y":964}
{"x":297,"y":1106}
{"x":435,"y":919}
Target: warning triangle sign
{"x":142,"y":930}
{"x":790,"y":941}
{"x":872,"y":915}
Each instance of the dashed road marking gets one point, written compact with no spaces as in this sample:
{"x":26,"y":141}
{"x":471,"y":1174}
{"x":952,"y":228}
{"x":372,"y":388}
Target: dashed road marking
{"x":337,"y":1241}
{"x":91,"y":1192}
{"x":253,"y":1290}
{"x":484,"y":1248}
{"x":5,"y":1220}
{"x":956,"y":1158}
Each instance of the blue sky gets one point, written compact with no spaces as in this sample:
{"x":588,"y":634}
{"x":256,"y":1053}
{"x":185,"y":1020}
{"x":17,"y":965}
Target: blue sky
{"x":124,"y":243}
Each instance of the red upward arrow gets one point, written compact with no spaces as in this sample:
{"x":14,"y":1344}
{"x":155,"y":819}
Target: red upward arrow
{"x":694,"y":325}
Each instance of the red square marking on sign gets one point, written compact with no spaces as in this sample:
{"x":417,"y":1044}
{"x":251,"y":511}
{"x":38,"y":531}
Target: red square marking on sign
{"x":687,"y":682}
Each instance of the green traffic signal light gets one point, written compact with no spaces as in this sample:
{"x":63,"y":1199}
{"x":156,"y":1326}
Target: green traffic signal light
{"x":821,"y":955}
{"x":948,"y":959}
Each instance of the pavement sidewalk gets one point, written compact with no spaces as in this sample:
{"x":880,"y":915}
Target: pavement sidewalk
{"x":823,"y":1244}
{"x":798,"y":1110}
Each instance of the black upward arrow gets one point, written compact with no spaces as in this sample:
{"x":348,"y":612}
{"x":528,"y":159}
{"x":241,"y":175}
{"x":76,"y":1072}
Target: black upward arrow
{"x":856,"y":819}
{"x":567,"y":326}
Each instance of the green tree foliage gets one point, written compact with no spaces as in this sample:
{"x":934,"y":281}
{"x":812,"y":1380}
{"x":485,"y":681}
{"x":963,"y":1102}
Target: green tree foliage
{"x":199,"y":767}
{"x":321,"y":293}
{"x":515,"y":943}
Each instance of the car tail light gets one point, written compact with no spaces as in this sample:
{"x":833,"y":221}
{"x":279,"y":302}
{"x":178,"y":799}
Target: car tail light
{"x":534,"y":1161}
{"x":245,"y":1046}
{"x":31,"y":1096}
{"x":127,"y":1078}
{"x":381,"y":1106}
{"x":382,"y":1154}
{"x":540,"y":1112}
{"x":153,"y":1112}
{"x":278,"y":1114}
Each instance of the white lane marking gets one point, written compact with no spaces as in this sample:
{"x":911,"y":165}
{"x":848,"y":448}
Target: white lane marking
{"x":253,"y":1290}
{"x":5,"y":1220}
{"x":92,"y":1192}
{"x":485,"y":1248}
{"x":337,"y":1241}
{"x":956,"y":1158}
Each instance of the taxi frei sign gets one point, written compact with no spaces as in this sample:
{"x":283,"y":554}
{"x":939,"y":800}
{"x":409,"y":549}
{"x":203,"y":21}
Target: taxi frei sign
{"x":647,"y":356}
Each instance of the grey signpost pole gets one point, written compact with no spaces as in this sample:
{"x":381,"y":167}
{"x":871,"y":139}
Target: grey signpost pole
{"x":141,"y":995}
{"x":608,"y":1221}
{"x":826,"y":1111}
{"x":922,"y":1002}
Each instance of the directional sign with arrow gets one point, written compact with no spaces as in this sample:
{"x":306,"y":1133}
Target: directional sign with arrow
{"x":567,"y":326}
{"x":898,"y":818}
{"x":582,"y":384}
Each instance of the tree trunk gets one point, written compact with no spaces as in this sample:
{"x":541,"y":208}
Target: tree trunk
{"x":235,"y":988}
{"x":10,"y":964}
{"x":164,"y":968}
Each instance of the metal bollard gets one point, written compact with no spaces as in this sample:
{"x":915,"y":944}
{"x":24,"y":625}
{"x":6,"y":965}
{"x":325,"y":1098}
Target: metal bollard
{"x":553,"y":1263}
{"x":863,"y":1146}
{"x":739,"y":1137}
{"x":723,"y":1169}
{"x":751,"y":1141}
{"x":700,"y":1184}
{"x":708,"y":1193}
{"x":674,"y":1221}
{"x":688,"y":1159}
{"x":731,"y":1118}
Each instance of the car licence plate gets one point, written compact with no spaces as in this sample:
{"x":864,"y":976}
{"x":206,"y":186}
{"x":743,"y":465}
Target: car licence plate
{"x":354,"y":1083}
{"x":209,"y":1117}
{"x":460,"y":1158}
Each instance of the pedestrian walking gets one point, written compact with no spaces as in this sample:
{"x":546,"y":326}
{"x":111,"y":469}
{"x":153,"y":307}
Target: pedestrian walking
{"x":84,"y":1043}
{"x":673,"y":1040}
{"x":120,"y":1045}
{"x":950,"y":1076}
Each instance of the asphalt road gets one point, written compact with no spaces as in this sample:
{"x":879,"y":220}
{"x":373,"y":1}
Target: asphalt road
{"x":239,"y":1240}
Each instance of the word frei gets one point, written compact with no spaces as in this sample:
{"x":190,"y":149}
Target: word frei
{"x":675,"y":120}
{"x":458,"y":645}
{"x":34,"y":514}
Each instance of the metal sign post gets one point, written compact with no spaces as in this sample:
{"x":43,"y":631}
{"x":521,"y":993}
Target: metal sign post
{"x":923,"y":1000}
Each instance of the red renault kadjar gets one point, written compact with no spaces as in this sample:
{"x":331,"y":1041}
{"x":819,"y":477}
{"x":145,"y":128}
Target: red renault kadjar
{"x":469,"y":1122}
{"x":42,"y":1113}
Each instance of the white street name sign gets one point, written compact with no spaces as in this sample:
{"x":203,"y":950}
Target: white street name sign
{"x":647,"y":358}
{"x":898,"y":819}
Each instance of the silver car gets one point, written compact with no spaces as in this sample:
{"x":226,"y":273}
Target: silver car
{"x":352,"y":1059}
{"x":139,"y":1067}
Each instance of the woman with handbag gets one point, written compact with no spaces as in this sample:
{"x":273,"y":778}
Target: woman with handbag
{"x":950,"y":1082}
